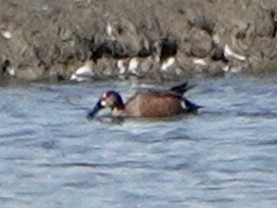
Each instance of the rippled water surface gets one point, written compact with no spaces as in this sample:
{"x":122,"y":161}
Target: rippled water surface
{"x":52,"y":156}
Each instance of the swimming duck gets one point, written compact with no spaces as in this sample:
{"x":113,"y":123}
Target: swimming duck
{"x":147,"y":103}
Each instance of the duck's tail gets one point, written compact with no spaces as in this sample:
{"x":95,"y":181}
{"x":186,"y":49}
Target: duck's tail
{"x":190,"y":106}
{"x":181,"y":88}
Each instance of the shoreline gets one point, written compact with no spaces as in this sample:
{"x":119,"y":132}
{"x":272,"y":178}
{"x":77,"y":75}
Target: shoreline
{"x":158,"y":40}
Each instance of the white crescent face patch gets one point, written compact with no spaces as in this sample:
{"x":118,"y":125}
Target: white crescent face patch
{"x":103,"y":100}
{"x":104,"y":103}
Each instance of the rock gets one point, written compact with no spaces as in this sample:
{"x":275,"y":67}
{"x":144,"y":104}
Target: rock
{"x":53,"y":39}
{"x":198,"y":43}
{"x":264,"y":23}
{"x":168,"y":48}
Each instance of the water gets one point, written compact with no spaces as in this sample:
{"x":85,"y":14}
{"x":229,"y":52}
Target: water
{"x":52,"y":156}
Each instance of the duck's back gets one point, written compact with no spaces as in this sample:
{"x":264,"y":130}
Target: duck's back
{"x":149,"y":104}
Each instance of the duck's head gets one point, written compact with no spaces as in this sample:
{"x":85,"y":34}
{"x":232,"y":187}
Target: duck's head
{"x":110,"y":99}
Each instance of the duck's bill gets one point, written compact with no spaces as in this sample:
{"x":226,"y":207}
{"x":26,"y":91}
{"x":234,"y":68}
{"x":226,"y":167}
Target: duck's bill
{"x":94,"y":111}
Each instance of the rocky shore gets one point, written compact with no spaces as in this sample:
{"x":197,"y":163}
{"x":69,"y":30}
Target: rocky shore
{"x":161,"y":39}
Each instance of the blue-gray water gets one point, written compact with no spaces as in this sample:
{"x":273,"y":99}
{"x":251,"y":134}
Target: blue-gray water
{"x":52,"y":156}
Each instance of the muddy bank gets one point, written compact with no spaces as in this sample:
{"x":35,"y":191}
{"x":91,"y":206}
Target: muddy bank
{"x":149,"y":39}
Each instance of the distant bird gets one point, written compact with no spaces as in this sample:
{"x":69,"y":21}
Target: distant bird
{"x":147,"y":103}
{"x":229,"y":54}
{"x":83,"y":73}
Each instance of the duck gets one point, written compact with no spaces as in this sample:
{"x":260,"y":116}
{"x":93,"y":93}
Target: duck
{"x":147,"y":102}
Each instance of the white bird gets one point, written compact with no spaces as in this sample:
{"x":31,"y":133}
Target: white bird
{"x":229,"y":54}
{"x":168,"y":63}
{"x":133,"y":66}
{"x":121,"y":66}
{"x":200,"y":62}
{"x":6,"y":34}
{"x":83,"y":73}
{"x":11,"y":71}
